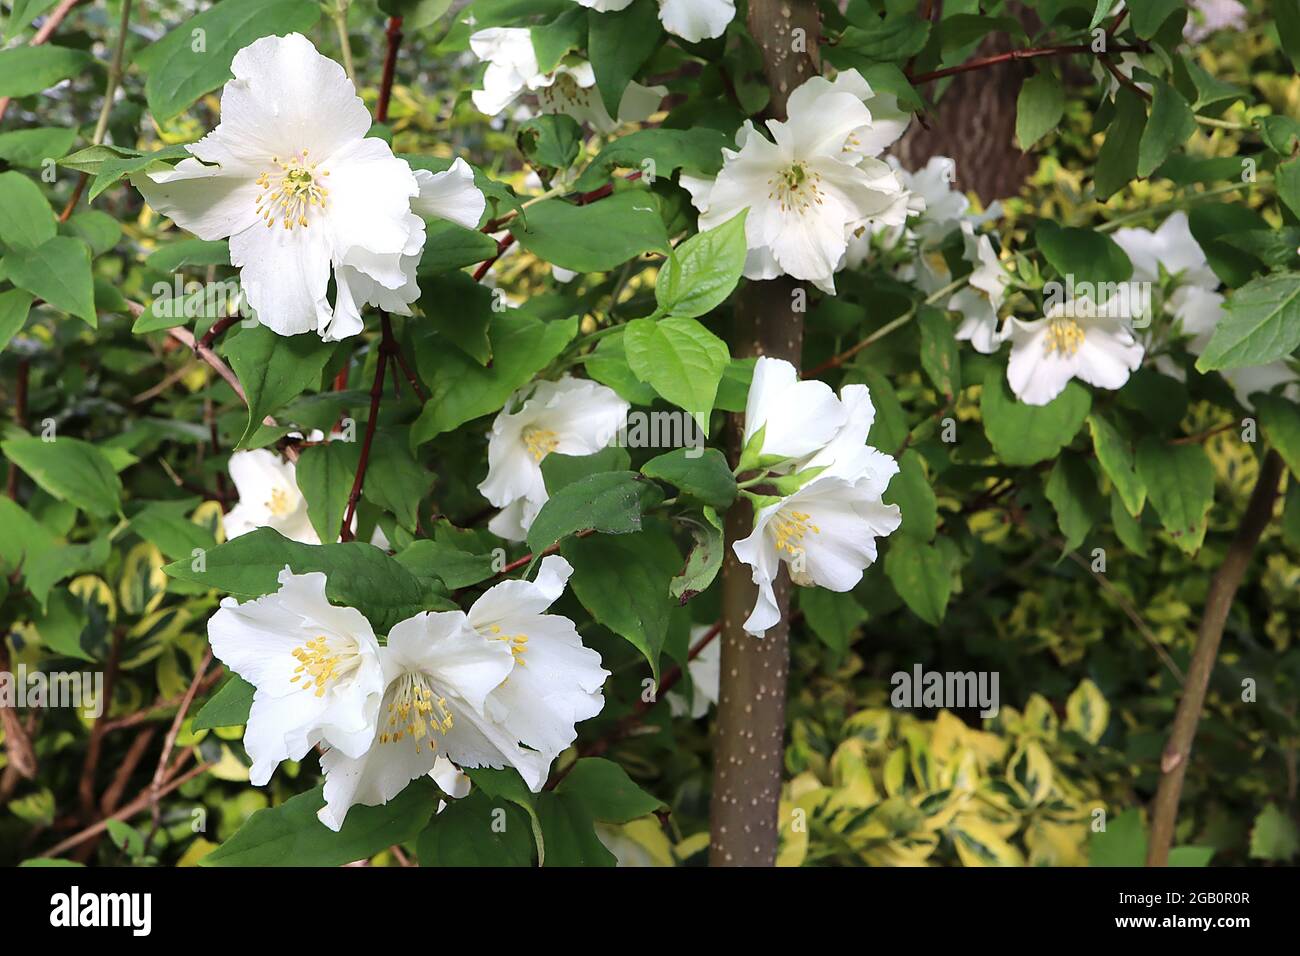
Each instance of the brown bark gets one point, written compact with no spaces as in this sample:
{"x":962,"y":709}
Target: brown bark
{"x":1218,"y":602}
{"x":974,"y":123}
{"x":750,"y":743}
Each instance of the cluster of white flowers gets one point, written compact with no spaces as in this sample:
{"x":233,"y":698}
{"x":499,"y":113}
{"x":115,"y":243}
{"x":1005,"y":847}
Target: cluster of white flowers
{"x":1194,"y":302}
{"x":692,"y":20}
{"x":569,"y":88}
{"x":825,"y":530}
{"x":500,"y":686}
{"x":572,"y":416}
{"x":813,"y":186}
{"x":291,"y":179}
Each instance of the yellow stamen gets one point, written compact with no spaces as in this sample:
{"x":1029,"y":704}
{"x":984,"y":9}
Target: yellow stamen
{"x":540,"y":442}
{"x":291,"y":190}
{"x":1064,"y":335}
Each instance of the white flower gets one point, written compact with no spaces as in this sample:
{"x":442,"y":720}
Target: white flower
{"x":847,"y":454}
{"x":1077,"y":339}
{"x":796,"y":418}
{"x":315,"y":668}
{"x":813,"y":185}
{"x":450,"y":195}
{"x":556,"y":682}
{"x":706,"y":676}
{"x":268,"y":497}
{"x":979,"y":301}
{"x":571,"y":416}
{"x":1194,"y":303}
{"x":437,"y":673}
{"x":569,"y":88}
{"x":291,"y":178}
{"x":692,"y":20}
{"x":826,"y":532}
{"x":1172,"y":247}
{"x":1207,"y":17}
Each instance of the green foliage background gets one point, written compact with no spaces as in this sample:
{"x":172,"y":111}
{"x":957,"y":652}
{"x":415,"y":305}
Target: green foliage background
{"x":982,"y":579}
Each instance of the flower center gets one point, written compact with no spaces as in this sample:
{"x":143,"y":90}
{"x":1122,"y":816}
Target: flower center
{"x":279,"y":505}
{"x":795,"y":188}
{"x":540,"y":442}
{"x":320,"y":664}
{"x":1064,"y":335}
{"x":291,"y":190}
{"x":791,"y":528}
{"x":415,"y":711}
{"x":518,"y":643}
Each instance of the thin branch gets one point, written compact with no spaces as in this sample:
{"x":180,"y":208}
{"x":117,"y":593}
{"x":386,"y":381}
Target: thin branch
{"x":1218,"y":602}
{"x":394,"y":35}
{"x":1012,"y":55}
{"x":387,"y":348}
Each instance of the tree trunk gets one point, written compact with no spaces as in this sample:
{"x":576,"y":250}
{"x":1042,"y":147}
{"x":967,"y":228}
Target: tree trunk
{"x":750,"y":745}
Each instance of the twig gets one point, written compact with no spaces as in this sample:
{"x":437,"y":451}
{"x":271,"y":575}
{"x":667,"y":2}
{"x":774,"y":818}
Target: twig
{"x":1218,"y":602}
{"x":130,"y":810}
{"x":1011,"y":55}
{"x":155,"y":788}
{"x":134,"y":754}
{"x":86,"y":787}
{"x":394,"y":35}
{"x":387,"y":347}
{"x":110,"y":90}
{"x":18,"y":744}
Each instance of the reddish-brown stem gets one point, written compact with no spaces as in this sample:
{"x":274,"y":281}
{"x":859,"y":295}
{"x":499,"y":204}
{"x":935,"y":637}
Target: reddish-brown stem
{"x":218,"y":327}
{"x":387,"y":348}
{"x":87,"y":784}
{"x":503,"y":244}
{"x":394,"y":35}
{"x":1010,"y":55}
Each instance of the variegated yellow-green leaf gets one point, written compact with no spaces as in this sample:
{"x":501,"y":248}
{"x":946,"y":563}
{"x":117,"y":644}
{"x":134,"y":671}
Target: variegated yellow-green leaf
{"x":1086,"y":712}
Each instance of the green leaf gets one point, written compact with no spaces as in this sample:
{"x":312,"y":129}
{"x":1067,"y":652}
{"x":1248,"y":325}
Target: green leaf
{"x":704,"y":561}
{"x":596,"y":237}
{"x":1280,"y":420}
{"x":449,"y":246}
{"x":1039,"y":108}
{"x":623,"y":580}
{"x":702,"y":271}
{"x":175,"y":256}
{"x":1027,"y":434}
{"x":661,"y":151}
{"x":1211,"y":223}
{"x":453,"y":567}
{"x":681,"y":359}
{"x":461,"y":309}
{"x":1180,"y":484}
{"x":939,"y":355}
{"x":290,"y":834}
{"x":1087,"y":255}
{"x":58,"y":271}
{"x":922,"y":574}
{"x":15,"y":304}
{"x":1115,"y":456}
{"x":474,"y":831}
{"x":185,"y":63}
{"x":1072,"y":490}
{"x":608,"y":365}
{"x":1274,"y":836}
{"x":1261,"y":323}
{"x":228,"y":707}
{"x":165,"y":526}
{"x":25,"y":70}
{"x":460,"y":389}
{"x":551,"y":41}
{"x":833,"y":617}
{"x":114,"y":168}
{"x":559,"y":471}
{"x":701,"y":473}
{"x":1118,"y":160}
{"x":26,"y":219}
{"x":1122,"y":843}
{"x":70,"y":470}
{"x":552,"y":139}
{"x":395,"y":481}
{"x":570,"y":835}
{"x":1286,"y":13}
{"x":607,"y":791}
{"x":30,"y":148}
{"x":619,"y":43}
{"x":1149,"y":15}
{"x":611,"y":503}
{"x":274,"y":369}
{"x":897,"y":38}
{"x":358,"y":575}
{"x":325,"y":474}
{"x":913,"y":492}
{"x":1171,"y":124}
